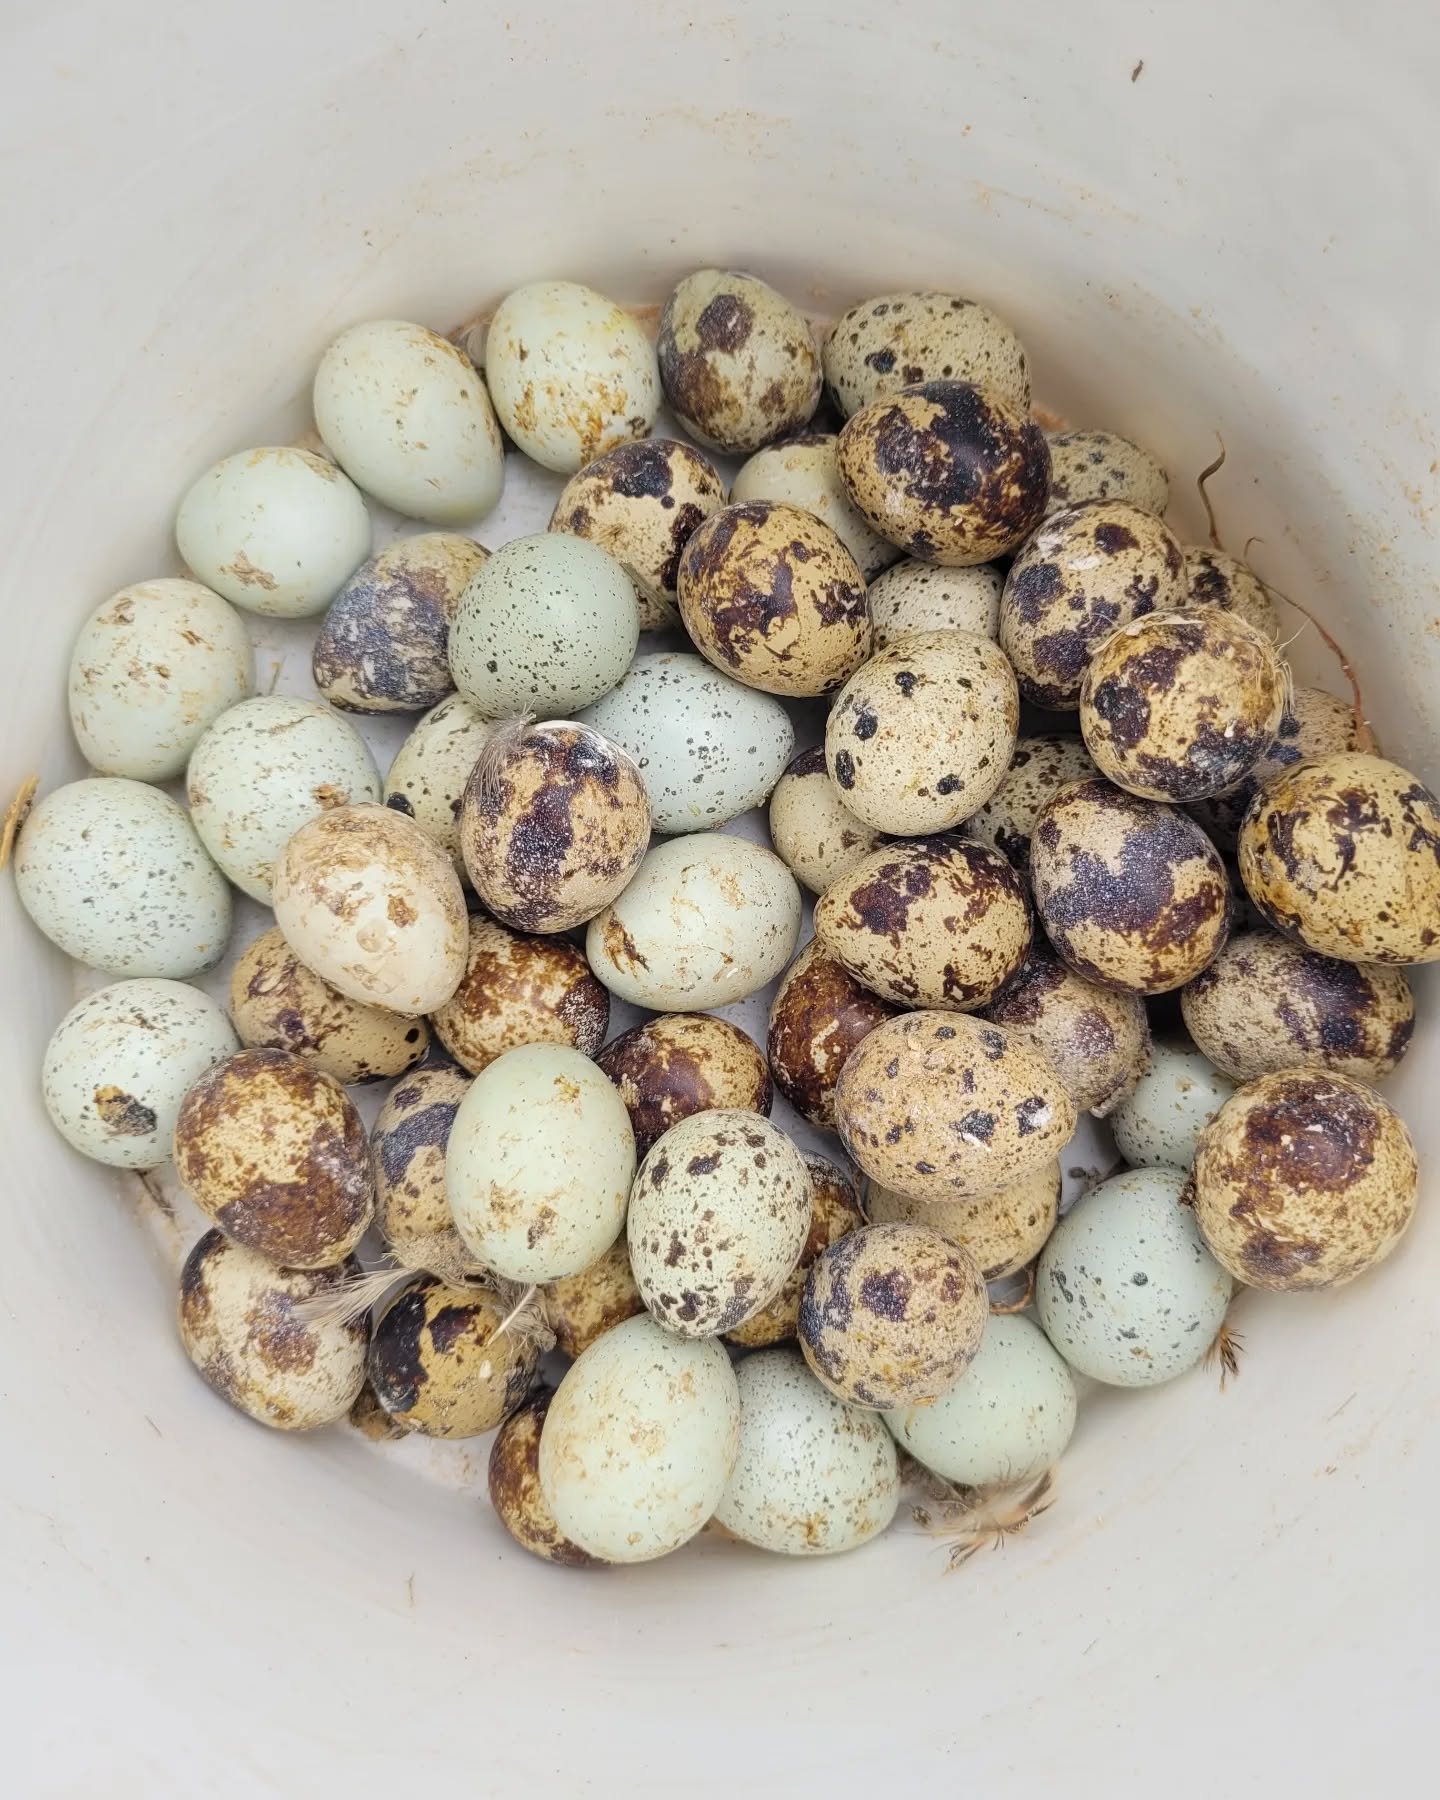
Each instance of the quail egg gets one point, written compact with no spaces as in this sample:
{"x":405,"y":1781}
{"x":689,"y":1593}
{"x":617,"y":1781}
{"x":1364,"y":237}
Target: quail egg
{"x":581,"y":1308}
{"x":1101,"y":465}
{"x":834,"y":1210}
{"x":819,"y":1014}
{"x":514,"y":1484}
{"x":1039,"y":767}
{"x":1097,"y":1037}
{"x":1159,"y":1122}
{"x":804,"y":471}
{"x":518,"y":990}
{"x":815,"y":833}
{"x":895,"y":340}
{"x":1224,"y":584}
{"x":439,"y":1364}
{"x":1003,"y":1229}
{"x":427,"y":779}
{"x":1315,"y":724}
{"x":920,"y":596}
{"x":407,"y":1148}
{"x":684,"y":1063}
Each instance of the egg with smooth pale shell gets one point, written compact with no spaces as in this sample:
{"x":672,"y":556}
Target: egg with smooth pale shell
{"x":1160,"y":1120}
{"x":921,"y":596}
{"x":513,"y":1480}
{"x":519,"y":989}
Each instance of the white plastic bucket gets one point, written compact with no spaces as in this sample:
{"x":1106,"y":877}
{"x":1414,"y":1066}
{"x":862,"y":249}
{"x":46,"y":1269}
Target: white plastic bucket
{"x":1200,"y":219}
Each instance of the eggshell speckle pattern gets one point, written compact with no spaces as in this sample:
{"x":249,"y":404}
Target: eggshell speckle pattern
{"x":152,"y":668}
{"x":834,"y":1210}
{"x":819,"y":1014}
{"x":737,"y":360}
{"x":111,"y":870}
{"x":539,"y":1165}
{"x":514,"y":1485}
{"x":705,"y":921}
{"x":771,"y":596}
{"x":518,"y":990}
{"x":641,"y":503}
{"x":815,"y":833}
{"x":639,"y":1442}
{"x":581,"y":1308}
{"x":436,"y":1365}
{"x":1097,"y":1037}
{"x":895,"y":340}
{"x":684,"y":1063}
{"x":1085,"y":571}
{"x":1160,"y":1121}
{"x":920,"y":596}
{"x":707,"y":747}
{"x":935,"y":1106}
{"x":121,"y":1061}
{"x":1003,"y":1229}
{"x":1223,"y":583}
{"x":1304,"y":1179}
{"x":1039,"y":767}
{"x":921,"y":736}
{"x":407,"y":1148}
{"x":1008,"y":1421}
{"x":427,"y":779}
{"x":1126,"y":1290}
{"x":804,"y":471}
{"x":892,"y":1316}
{"x":936,"y":922}
{"x":1131,"y":892}
{"x":240,"y":1329}
{"x":1344,"y":854}
{"x":1315,"y":724}
{"x":1100,"y":465}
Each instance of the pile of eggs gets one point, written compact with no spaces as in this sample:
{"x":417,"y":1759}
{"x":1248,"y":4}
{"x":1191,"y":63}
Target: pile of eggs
{"x":933,"y":593}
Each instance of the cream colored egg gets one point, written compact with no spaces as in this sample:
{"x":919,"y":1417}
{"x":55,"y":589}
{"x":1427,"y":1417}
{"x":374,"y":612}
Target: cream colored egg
{"x":1225,"y":584}
{"x":1159,"y":1122}
{"x":427,"y":779}
{"x":1003,"y":1229}
{"x":804,"y":471}
{"x":539,"y":1164}
{"x":834,"y":1211}
{"x":639,"y":1442}
{"x":407,"y":1148}
{"x":571,"y":373}
{"x":439,"y":1364}
{"x":514,"y":1485}
{"x":921,"y":736}
{"x":407,"y":417}
{"x":707,"y":919}
{"x":152,"y":668}
{"x":581,"y":1308}
{"x":895,"y":340}
{"x":819,"y":1014}
{"x":1101,"y":465}
{"x":519,"y":989}
{"x":921,"y":596}
{"x":1315,"y":724}
{"x":1097,"y":1037}
{"x":684,"y":1063}
{"x":815,"y":834}
{"x":1039,"y":766}
{"x":374,"y":907}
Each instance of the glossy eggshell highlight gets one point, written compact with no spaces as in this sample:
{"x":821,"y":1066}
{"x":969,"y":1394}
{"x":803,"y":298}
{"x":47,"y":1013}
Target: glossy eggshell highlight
{"x":1003,"y":1229}
{"x":513,"y":1480}
{"x":819,"y":1014}
{"x":684,"y":1063}
{"x":436,"y":1365}
{"x":834,"y":1210}
{"x":814,"y":832}
{"x":519,"y":990}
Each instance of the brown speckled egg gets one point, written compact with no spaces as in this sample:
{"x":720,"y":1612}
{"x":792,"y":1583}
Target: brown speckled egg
{"x":1038,"y":769}
{"x":920,"y":596}
{"x":1003,"y":1230}
{"x":1100,"y":465}
{"x":936,"y":922}
{"x":892,"y":1316}
{"x":437,"y":1366}
{"x":514,"y":1480}
{"x":278,"y":1004}
{"x":1097,"y":1037}
{"x":834,"y":1210}
{"x":383,"y":645}
{"x":815,"y":834}
{"x":737,"y":361}
{"x":641,"y":503}
{"x":952,"y":474}
{"x":771,"y":596}
{"x":935,"y":1106}
{"x":718,"y":1217}
{"x":1266,"y":1003}
{"x":427,"y":779}
{"x":580,"y":1308}
{"x":804,"y":471}
{"x":1344,"y":854}
{"x":275,"y":1153}
{"x":683,"y":1063}
{"x":1085,"y":571}
{"x":240,"y":1329}
{"x":520,"y":990}
{"x":819,"y":1014}
{"x":1303,"y":1179}
{"x":407,"y":1149}
{"x":1223,"y":583}
{"x":552,"y":826}
{"x":1315,"y":724}
{"x":1176,"y":706}
{"x":895,"y":340}
{"x":922,"y":734}
{"x":1131,"y":892}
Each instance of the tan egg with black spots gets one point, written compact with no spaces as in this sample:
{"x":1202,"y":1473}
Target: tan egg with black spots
{"x":892,"y":1315}
{"x":275,"y":1153}
{"x":895,"y":340}
{"x":834,"y":1211}
{"x":427,"y":779}
{"x":718,"y":1217}
{"x":1304,"y":1179}
{"x":641,"y":503}
{"x":936,"y":1106}
{"x":935,"y":922}
{"x":1131,"y":892}
{"x":1102,"y":465}
{"x":518,"y":989}
{"x":1315,"y":724}
{"x":279,"y":1004}
{"x":1222,"y":583}
{"x":1178,"y":706}
{"x":816,"y":835}
{"x":922,"y":734}
{"x":1097,"y":1037}
{"x":804,"y":471}
{"x":1003,"y":1230}
{"x":819,"y":1014}
{"x":580,"y":1308}
{"x":772,"y":597}
{"x":407,"y":1150}
{"x":514,"y":1486}
{"x":684,"y":1063}
{"x":949,"y":472}
{"x":1344,"y":854}
{"x":920,"y":596}
{"x":1040,"y":767}
{"x":1266,"y":1003}
{"x":241,"y":1328}
{"x":553,"y":824}
{"x":440,"y":1366}
{"x":737,"y":361}
{"x":1085,"y":571}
